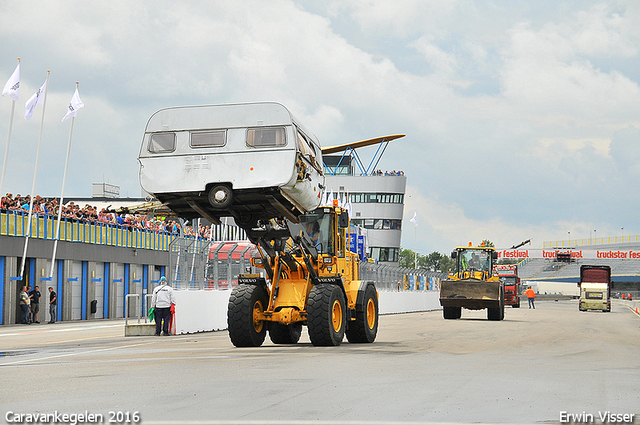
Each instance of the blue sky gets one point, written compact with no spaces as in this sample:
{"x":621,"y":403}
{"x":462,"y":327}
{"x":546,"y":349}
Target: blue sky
{"x":521,"y":117}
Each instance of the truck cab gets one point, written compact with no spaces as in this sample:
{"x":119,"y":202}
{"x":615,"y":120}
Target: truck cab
{"x":508,"y":274}
{"x":595,"y":288}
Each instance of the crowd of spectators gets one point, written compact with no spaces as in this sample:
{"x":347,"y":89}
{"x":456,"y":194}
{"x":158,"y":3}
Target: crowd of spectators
{"x":90,"y":214}
{"x":388,"y":173}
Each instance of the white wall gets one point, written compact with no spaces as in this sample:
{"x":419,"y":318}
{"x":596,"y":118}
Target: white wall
{"x":201,"y":311}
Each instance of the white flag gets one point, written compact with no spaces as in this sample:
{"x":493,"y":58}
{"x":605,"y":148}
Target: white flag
{"x":38,"y":97}
{"x":75,"y":104}
{"x":348,"y":205}
{"x":13,"y":85}
{"x":414,"y":220}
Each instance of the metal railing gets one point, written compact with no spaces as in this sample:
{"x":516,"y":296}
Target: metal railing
{"x":43,"y":226}
{"x":586,"y":242}
{"x":126,"y":307}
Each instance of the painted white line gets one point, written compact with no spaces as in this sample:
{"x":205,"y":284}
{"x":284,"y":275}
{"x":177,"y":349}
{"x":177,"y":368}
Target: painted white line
{"x":60,"y":330}
{"x":40,"y":359}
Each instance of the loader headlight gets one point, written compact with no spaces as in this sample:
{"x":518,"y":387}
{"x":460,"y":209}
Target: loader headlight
{"x":327,"y":260}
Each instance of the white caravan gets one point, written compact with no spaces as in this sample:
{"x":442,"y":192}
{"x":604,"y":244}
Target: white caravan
{"x":252,"y":161}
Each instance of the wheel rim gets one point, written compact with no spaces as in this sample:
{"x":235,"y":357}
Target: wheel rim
{"x":336,"y":314}
{"x":371,"y":313}
{"x":220,"y":196}
{"x":257,"y":313}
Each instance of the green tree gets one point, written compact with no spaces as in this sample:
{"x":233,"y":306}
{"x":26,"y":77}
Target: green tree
{"x":406,"y":258}
{"x":487,"y":242}
{"x":447,"y":264}
{"x":432,"y":261}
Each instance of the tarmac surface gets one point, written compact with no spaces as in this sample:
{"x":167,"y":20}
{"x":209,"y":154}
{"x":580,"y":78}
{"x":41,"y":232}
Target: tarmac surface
{"x":422,"y":369}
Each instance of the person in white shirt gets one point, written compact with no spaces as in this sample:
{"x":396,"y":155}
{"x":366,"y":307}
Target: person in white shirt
{"x":163,"y":298}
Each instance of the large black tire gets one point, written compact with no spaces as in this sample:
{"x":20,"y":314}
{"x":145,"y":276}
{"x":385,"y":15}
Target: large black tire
{"x":326,"y":315}
{"x":245,"y":304}
{"x":451,"y":312}
{"x":365,"y":327}
{"x":285,"y":334}
{"x":220,"y":196}
{"x":498,"y":312}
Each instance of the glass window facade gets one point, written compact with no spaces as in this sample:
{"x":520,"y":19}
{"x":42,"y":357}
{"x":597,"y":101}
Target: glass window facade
{"x":384,"y":254}
{"x":377,"y":198}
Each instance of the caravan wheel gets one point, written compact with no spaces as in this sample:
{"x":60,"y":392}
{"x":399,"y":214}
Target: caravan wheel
{"x":220,"y":196}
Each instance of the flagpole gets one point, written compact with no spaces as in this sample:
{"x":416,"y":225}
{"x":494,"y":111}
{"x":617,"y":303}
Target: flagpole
{"x":74,"y":105}
{"x":415,"y":253}
{"x":60,"y":204}
{"x":6,"y":149}
{"x":35,"y":174}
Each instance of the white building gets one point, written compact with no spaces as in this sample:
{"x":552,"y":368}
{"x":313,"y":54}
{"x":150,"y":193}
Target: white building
{"x":377,"y":203}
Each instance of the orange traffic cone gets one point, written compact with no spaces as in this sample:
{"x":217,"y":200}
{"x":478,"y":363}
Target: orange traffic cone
{"x":637,"y":311}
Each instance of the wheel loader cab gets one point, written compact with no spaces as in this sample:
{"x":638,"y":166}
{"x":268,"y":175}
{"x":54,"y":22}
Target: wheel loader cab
{"x":319,"y":226}
{"x":471,"y":260}
{"x":474,"y":259}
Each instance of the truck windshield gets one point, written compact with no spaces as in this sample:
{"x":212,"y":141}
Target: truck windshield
{"x":318,"y":226}
{"x":508,"y":280}
{"x":475,"y":259}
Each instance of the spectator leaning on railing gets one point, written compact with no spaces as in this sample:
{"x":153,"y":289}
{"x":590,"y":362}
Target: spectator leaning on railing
{"x":90,"y":214}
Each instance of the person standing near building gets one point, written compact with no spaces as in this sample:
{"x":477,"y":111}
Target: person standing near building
{"x":163,"y":298}
{"x":531,"y":296}
{"x":35,"y":304}
{"x":24,"y":306}
{"x":53,"y":305}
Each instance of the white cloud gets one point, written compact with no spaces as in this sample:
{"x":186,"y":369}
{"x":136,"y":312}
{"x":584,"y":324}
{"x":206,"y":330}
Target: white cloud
{"x":512,"y":97}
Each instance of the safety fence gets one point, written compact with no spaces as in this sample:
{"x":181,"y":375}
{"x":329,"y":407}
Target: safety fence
{"x":187,"y":262}
{"x":392,"y":278}
{"x":226,"y":260}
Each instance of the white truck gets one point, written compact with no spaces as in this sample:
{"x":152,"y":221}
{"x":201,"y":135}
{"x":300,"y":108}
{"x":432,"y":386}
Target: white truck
{"x":251,"y":161}
{"x":595,"y":288}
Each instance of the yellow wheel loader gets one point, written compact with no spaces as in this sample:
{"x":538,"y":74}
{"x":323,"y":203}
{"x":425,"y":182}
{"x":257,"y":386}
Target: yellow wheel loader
{"x":311,"y":279}
{"x":473,"y":285}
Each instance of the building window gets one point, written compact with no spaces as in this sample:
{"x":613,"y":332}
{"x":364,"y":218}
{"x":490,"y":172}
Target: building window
{"x":377,"y":223}
{"x":384,"y":254}
{"x":377,"y":198}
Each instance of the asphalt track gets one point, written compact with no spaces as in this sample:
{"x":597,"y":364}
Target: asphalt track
{"x":527,"y":369}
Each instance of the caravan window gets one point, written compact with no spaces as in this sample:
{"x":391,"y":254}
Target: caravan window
{"x":162,"y":142}
{"x":206,"y":139}
{"x":266,"y":137}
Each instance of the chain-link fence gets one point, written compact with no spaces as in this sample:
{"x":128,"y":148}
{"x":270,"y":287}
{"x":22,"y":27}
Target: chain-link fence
{"x":187,"y":262}
{"x":216,"y":265}
{"x":226,"y":260}
{"x":392,"y":278}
